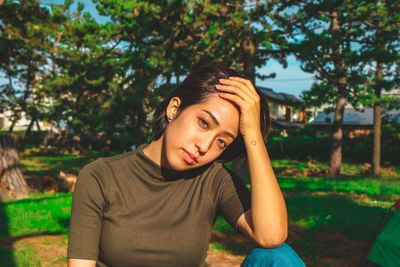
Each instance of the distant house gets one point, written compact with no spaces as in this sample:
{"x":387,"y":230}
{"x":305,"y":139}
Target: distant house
{"x":355,"y":123}
{"x":392,"y":93}
{"x":24,"y":120}
{"x":286,"y":110}
{"x":21,"y":124}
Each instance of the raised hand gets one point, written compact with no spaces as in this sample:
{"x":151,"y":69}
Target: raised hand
{"x":241,"y":92}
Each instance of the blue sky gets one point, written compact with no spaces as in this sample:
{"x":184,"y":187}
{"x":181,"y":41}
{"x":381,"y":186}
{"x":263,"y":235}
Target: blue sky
{"x":290,"y":80}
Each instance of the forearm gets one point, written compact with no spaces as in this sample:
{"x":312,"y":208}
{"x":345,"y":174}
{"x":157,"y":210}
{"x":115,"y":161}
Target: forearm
{"x":81,"y":263}
{"x":268,"y":208}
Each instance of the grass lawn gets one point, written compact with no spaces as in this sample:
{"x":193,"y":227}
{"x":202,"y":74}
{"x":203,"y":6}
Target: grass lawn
{"x":332,"y":221}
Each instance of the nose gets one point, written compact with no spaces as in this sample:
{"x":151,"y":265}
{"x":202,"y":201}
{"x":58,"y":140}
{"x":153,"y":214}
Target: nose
{"x":203,"y":143}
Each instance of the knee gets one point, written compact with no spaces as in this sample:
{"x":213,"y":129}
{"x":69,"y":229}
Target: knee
{"x":282,"y":256}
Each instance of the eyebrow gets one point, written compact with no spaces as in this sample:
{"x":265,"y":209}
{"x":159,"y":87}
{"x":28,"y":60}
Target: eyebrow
{"x":217,"y":122}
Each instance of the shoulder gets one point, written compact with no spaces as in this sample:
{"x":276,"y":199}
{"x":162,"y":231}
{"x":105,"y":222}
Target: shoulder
{"x":217,"y":169}
{"x":101,"y":166}
{"x":218,"y":173}
{"x":106,"y":162}
{"x":118,"y":159}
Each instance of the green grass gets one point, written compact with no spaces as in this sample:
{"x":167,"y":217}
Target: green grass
{"x":27,"y":257}
{"x":217,"y":246}
{"x":51,"y":165}
{"x":35,"y":216}
{"x":50,"y":213}
{"x":347,"y":170}
{"x":342,"y":213}
{"x":370,"y":186}
{"x":350,"y":206}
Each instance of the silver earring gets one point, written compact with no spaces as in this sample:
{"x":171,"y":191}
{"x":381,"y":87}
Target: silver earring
{"x":170,"y":118}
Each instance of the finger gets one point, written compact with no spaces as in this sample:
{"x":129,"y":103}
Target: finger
{"x":248,"y":83}
{"x":234,"y":98}
{"x":241,"y":86}
{"x":232,"y":90}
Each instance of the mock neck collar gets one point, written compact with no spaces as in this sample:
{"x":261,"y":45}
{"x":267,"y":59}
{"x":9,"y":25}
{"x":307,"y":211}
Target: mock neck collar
{"x":164,"y":174}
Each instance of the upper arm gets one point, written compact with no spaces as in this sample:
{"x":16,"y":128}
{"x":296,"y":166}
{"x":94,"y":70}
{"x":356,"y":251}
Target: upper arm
{"x":88,"y":204}
{"x":244,"y":224}
{"x":81,"y":263}
{"x":233,"y":198}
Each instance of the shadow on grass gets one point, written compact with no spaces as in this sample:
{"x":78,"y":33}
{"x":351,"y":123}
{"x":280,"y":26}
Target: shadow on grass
{"x":51,"y":165}
{"x":332,"y":230}
{"x":325,"y":230}
{"x":389,"y":189}
{"x":6,"y":255}
{"x":30,"y":218}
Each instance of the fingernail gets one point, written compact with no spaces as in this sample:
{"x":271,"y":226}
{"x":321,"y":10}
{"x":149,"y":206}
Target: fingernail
{"x":221,"y":80}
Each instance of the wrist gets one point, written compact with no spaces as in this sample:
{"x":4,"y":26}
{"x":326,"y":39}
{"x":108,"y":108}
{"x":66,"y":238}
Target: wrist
{"x":253,"y":136}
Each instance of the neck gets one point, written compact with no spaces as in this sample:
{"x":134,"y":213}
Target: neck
{"x":153,"y":151}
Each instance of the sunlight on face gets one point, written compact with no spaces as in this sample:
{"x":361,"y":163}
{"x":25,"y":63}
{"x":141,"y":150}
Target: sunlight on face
{"x":201,"y":133}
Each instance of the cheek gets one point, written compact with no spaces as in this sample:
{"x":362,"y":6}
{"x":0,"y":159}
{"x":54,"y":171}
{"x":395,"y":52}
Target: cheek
{"x":180,"y":130}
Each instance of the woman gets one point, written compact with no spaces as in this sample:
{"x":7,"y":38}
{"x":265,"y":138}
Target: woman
{"x":156,"y":206}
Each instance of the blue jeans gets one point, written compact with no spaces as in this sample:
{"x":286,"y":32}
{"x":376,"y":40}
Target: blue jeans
{"x":283,"y":256}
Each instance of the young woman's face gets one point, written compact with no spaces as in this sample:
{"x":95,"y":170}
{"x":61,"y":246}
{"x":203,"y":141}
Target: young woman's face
{"x":200,"y":133}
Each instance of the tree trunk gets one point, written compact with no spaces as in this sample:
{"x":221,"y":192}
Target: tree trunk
{"x":38,"y":126}
{"x":12,"y":182}
{"x":341,"y":83}
{"x":337,"y":137}
{"x":29,"y":128}
{"x":11,"y":129}
{"x":249,"y":58}
{"x":376,"y":156}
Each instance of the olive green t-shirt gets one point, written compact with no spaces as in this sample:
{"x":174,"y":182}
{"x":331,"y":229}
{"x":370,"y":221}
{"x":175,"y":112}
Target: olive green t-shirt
{"x":128,"y":211}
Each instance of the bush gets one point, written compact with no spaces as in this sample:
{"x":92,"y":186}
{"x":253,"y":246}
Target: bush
{"x":302,"y":144}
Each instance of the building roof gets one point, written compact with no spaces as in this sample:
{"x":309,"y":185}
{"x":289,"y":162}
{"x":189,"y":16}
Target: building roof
{"x":281,"y":98}
{"x":394,"y":92}
{"x":354,"y":117}
{"x":285,"y":124}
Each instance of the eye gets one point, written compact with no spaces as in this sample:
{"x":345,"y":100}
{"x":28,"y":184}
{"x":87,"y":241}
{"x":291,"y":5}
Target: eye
{"x":222,"y":143}
{"x":203,"y":123}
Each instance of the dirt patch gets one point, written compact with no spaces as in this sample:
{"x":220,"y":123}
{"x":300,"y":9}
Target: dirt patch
{"x":220,"y":258}
{"x":50,"y":249}
{"x":327,"y":247}
{"x":343,"y":251}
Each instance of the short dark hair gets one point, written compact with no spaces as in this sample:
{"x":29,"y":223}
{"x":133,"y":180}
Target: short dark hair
{"x":194,"y":89}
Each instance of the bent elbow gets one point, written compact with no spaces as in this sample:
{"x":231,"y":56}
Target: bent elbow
{"x":272,"y":242}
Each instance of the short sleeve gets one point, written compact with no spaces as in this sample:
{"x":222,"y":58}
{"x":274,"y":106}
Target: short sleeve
{"x":233,"y":198}
{"x":88,"y":203}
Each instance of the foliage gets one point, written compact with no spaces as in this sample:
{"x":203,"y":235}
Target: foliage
{"x":26,"y":38}
{"x":340,"y":41}
{"x":379,"y":45}
{"x":303,"y":144}
{"x":104,"y":80}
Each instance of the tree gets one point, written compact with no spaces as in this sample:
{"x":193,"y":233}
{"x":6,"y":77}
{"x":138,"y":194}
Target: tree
{"x":23,"y":44}
{"x":104,"y":79}
{"x":12,"y":182}
{"x":23,"y":57}
{"x":321,"y":35}
{"x":380,"y":46}
{"x":176,"y":37}
{"x":84,"y":76}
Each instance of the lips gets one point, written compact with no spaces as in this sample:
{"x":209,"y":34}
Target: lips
{"x":189,"y":157}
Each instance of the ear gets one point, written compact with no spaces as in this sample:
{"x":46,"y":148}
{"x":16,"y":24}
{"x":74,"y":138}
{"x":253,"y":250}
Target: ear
{"x":173,"y":107}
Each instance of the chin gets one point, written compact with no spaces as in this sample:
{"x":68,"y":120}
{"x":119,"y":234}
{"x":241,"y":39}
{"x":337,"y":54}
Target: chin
{"x":181,"y":165}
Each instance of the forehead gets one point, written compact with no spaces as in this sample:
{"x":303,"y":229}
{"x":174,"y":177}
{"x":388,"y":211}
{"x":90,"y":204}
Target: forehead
{"x":224,"y":111}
